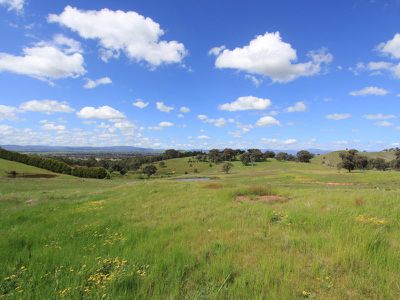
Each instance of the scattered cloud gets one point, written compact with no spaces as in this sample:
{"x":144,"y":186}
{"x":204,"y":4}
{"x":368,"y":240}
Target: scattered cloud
{"x":338,"y":117}
{"x":140,"y":104}
{"x":103,"y":112}
{"x":8,"y":112}
{"x":246,"y":103}
{"x":218,"y":122}
{"x":203,"y":137}
{"x":47,"y":125}
{"x":268,"y":121}
{"x":370,"y":90}
{"x":384,"y":124}
{"x":379,"y":117}
{"x":184,"y":109}
{"x":299,"y":106}
{"x":276,"y":143}
{"x":269,"y":56}
{"x":16,"y":5}
{"x":216,"y":50}
{"x":137,"y":36}
{"x":46,"y":106}
{"x":46,"y":61}
{"x":254,"y":80}
{"x":91,"y":84}
{"x":164,"y":108}
{"x":166,"y":124}
{"x":391,"y":48}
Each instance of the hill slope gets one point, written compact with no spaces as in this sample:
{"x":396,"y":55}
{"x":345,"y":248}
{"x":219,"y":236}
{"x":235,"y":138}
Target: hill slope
{"x":331,"y":159}
{"x":8,"y":165}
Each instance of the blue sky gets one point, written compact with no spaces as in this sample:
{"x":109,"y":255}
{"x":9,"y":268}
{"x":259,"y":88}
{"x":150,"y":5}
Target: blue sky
{"x":200,"y":74}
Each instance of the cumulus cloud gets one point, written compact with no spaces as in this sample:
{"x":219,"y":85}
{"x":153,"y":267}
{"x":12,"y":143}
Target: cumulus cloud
{"x":338,"y":117}
{"x":276,"y":143}
{"x":267,"y":121}
{"x":140,"y":104}
{"x":117,"y":31}
{"x":203,"y":137}
{"x":246,"y":103}
{"x":378,"y":68}
{"x":47,"y":125}
{"x":269,"y":56}
{"x":299,"y":106}
{"x":379,"y":117}
{"x":384,"y":124}
{"x":91,"y":84}
{"x":184,"y":109}
{"x":216,"y":50}
{"x":46,"y":61}
{"x":164,"y":108}
{"x":46,"y":106}
{"x":17,"y":5}
{"x":8,"y":112}
{"x":391,"y":47}
{"x":370,"y":90}
{"x":218,"y":122}
{"x":254,"y":80}
{"x":165,"y":124}
{"x":103,"y":112}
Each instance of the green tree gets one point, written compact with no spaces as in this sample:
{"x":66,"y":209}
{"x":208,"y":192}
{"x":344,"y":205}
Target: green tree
{"x":149,"y":170}
{"x":245,"y":159}
{"x":304,"y":156}
{"x":349,"y":159}
{"x":226,"y":167}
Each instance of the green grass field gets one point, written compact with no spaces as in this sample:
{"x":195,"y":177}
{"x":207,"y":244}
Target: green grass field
{"x":336,"y":235}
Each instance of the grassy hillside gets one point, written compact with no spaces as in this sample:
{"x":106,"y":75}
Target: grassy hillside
{"x":7,"y":166}
{"x":333,"y":236}
{"x":331,"y":159}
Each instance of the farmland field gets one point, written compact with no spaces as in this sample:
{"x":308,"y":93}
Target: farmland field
{"x":334,"y":235}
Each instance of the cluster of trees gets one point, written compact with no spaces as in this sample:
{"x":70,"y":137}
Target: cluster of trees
{"x":54,"y":165}
{"x":352,"y":160}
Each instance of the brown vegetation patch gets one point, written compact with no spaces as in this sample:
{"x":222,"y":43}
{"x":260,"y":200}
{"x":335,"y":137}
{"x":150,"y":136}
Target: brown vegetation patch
{"x":264,"y":199}
{"x":359,"y":201}
{"x":333,"y":183}
{"x":213,"y":186}
{"x":22,"y":175}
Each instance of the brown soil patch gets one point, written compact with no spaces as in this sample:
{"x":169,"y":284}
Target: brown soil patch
{"x":213,"y":186}
{"x":333,"y":183}
{"x":265,"y":199}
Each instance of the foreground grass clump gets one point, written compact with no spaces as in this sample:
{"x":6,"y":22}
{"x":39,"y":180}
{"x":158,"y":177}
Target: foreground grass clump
{"x":73,"y":238}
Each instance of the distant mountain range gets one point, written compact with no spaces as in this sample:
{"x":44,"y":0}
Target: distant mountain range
{"x":115,"y":149}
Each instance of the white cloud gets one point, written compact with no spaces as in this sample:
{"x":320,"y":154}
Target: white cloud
{"x":91,"y":84}
{"x":267,"y":121}
{"x":140,"y":104}
{"x":17,"y":5}
{"x":184,"y":109}
{"x":379,"y":117}
{"x":46,"y":106}
{"x":269,"y":56}
{"x":254,"y":80}
{"x":47,"y":125}
{"x":135,"y":35}
{"x":246,"y":103}
{"x":338,"y":117}
{"x":216,"y":50}
{"x":164,"y":108}
{"x":180,"y":116}
{"x":391,"y":47}
{"x":203,"y":137}
{"x":8,"y":112}
{"x":278,"y":143}
{"x":384,"y":124}
{"x":45,"y":61}
{"x":218,"y":122}
{"x":103,"y":112}
{"x":370,"y":90}
{"x":166,"y":124}
{"x":297,"y":107}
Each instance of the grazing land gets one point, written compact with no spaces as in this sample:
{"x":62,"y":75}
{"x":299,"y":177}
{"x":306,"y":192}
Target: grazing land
{"x":322,"y":233}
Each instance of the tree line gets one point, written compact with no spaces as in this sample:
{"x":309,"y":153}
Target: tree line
{"x":352,"y":160}
{"x":54,"y":165}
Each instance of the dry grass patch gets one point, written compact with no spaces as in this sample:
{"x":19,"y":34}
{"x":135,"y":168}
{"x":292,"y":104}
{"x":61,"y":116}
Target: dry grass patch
{"x":213,"y":186}
{"x":264,"y":194}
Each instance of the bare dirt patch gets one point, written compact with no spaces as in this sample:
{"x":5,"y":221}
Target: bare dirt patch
{"x":333,"y":183}
{"x":212,"y":186}
{"x":264,"y":199}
